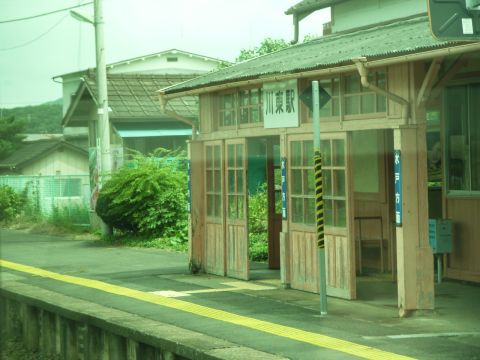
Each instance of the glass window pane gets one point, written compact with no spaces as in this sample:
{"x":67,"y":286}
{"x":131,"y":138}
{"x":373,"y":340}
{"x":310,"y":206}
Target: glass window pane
{"x":244,"y":98}
{"x":209,"y":180}
{"x":232,"y":207}
{"x":210,"y":205}
{"x":297,"y":210}
{"x":278,"y":202}
{"x":244,"y":116}
{"x":255,"y":115}
{"x":308,"y":153}
{"x":254,"y":96}
{"x":296,"y":154}
{"x":340,"y":217}
{"x":310,"y":211}
{"x":335,"y":107}
{"x":310,"y":181}
{"x":474,"y":114}
{"x":231,"y":181}
{"x":381,"y":79}
{"x":216,"y":160}
{"x":327,"y":182}
{"x":227,"y":101}
{"x":352,"y":105}
{"x":381,"y":103}
{"x":326,"y":110}
{"x":352,"y":84}
{"x":328,"y":212}
{"x":368,"y":103}
{"x":239,"y":159}
{"x":231,"y":155}
{"x":297,"y":182}
{"x":209,"y":157}
{"x":240,"y":207}
{"x":217,"y":181}
{"x":336,"y":86}
{"x":326,"y":153}
{"x":339,"y":176}
{"x":240,"y":181}
{"x":218,"y":206}
{"x":338,"y":153}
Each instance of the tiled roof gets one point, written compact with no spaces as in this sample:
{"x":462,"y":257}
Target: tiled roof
{"x":32,"y":150}
{"x":135,"y":95}
{"x":382,"y":41}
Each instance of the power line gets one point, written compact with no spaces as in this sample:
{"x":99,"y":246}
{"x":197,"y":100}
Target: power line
{"x":37,"y":38}
{"x":44,"y":14}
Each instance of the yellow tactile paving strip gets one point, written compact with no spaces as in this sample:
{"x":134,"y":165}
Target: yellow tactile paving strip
{"x":288,"y":332}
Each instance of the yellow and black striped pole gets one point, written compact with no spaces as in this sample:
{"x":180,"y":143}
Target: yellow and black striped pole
{"x":319,"y":197}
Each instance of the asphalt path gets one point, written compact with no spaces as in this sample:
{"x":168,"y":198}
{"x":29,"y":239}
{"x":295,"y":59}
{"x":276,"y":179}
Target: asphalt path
{"x":156,"y":284}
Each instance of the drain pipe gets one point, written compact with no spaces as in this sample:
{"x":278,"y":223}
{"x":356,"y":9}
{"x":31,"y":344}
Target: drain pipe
{"x":173,"y":114}
{"x":363,"y":71}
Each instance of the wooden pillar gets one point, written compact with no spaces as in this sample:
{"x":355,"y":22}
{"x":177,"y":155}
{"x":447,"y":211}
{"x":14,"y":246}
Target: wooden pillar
{"x":414,"y":256}
{"x":196,"y":228}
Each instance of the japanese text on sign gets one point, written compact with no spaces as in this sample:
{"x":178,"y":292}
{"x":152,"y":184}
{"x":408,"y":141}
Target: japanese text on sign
{"x":284,"y":187}
{"x":397,"y":167}
{"x":280,"y":101}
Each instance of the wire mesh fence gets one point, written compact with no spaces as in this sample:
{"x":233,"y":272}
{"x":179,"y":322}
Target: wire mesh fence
{"x":64,"y":197}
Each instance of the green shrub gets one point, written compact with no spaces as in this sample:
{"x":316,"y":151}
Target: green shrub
{"x":11,"y":203}
{"x":147,"y":199}
{"x":258,"y":224}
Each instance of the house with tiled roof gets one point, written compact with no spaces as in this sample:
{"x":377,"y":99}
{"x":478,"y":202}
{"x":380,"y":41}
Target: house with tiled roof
{"x":52,"y":169}
{"x":398,"y":105}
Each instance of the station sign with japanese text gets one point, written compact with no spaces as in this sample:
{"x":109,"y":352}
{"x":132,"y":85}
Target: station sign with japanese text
{"x":280,"y":104}
{"x":397,"y":168}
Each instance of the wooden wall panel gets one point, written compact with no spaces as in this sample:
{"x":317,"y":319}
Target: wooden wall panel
{"x":214,"y":249}
{"x":463,"y":263}
{"x":304,"y":261}
{"x":337,"y":259}
{"x":398,"y":77}
{"x":237,"y":252}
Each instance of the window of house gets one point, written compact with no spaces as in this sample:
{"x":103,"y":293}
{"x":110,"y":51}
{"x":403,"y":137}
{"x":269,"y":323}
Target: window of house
{"x":334,"y":182}
{"x":359,"y":100}
{"x":244,"y":107}
{"x":332,"y":87}
{"x":302,"y":194}
{"x":214,"y":181}
{"x":462,"y":116}
{"x":235,"y":181}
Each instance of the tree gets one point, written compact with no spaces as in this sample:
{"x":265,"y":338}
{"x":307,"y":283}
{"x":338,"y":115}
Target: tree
{"x":267,"y":46}
{"x":10,"y":137}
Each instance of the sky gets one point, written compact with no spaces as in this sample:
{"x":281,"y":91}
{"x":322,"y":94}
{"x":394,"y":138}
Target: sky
{"x":34,"y":51}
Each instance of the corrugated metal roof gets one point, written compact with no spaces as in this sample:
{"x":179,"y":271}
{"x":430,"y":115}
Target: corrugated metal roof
{"x":134,"y":95}
{"x":383,"y":41}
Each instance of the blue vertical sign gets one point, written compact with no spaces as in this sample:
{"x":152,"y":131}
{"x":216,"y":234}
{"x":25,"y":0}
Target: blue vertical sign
{"x":397,"y":167}
{"x":189,"y":190}
{"x":284,"y":187}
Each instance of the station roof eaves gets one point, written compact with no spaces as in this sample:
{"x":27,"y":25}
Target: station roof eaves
{"x":406,"y":36}
{"x":311,"y":5}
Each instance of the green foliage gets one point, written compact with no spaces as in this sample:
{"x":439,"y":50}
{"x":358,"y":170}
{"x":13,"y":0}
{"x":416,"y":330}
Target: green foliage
{"x":10,"y":138}
{"x":11,"y":203}
{"x":69,"y":217}
{"x":39,"y":119}
{"x":258,"y":224}
{"x":267,"y":46}
{"x":149,"y":199}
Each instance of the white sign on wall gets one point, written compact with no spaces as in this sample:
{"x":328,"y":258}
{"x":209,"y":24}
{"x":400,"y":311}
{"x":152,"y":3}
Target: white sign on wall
{"x":280,"y":104}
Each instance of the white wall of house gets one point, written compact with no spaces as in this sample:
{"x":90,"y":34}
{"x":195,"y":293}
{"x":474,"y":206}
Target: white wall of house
{"x":59,"y":162}
{"x":356,"y":13}
{"x":172,"y":62}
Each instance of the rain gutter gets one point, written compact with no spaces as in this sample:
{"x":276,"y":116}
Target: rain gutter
{"x":426,"y":55}
{"x":363,"y":72}
{"x":176,"y":116}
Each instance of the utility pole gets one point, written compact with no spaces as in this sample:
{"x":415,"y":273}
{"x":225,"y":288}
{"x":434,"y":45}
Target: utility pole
{"x":103,"y":123}
{"x":319,"y":197}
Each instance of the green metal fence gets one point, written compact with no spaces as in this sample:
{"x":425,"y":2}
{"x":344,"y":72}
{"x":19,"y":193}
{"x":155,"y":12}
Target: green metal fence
{"x":63,"y":196}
